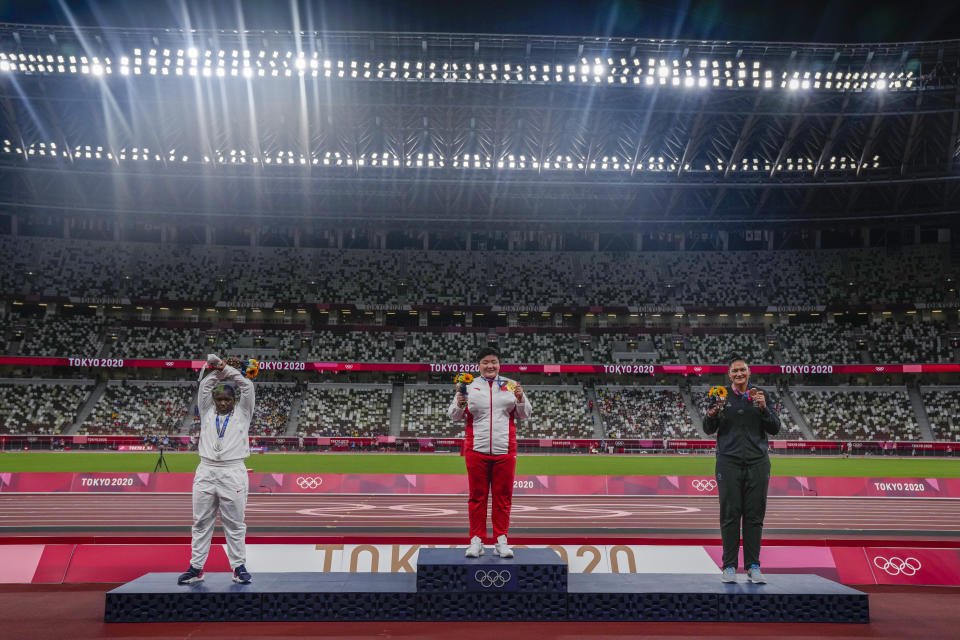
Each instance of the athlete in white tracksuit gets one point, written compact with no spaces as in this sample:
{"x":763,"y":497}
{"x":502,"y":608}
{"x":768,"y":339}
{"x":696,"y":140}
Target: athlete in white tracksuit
{"x":225,"y":401}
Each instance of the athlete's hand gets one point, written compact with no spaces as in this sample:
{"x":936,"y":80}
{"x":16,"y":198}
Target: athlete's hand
{"x":717,"y":407}
{"x":518,"y":392}
{"x":760,"y":399}
{"x":461,"y":400}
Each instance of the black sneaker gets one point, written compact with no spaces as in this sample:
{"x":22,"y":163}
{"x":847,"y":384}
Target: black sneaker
{"x":190,"y":576}
{"x":241,"y":575}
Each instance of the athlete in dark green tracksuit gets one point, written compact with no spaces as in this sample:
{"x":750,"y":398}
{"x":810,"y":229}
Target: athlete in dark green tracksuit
{"x":742,"y":423}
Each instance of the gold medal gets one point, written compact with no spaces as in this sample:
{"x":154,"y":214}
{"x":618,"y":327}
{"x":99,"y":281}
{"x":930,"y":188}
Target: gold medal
{"x":511,"y":386}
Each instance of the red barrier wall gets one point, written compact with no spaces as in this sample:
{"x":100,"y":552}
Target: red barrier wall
{"x":856,"y":565}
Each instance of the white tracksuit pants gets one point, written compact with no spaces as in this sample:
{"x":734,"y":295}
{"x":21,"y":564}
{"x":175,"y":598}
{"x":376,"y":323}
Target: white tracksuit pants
{"x":223,"y":489}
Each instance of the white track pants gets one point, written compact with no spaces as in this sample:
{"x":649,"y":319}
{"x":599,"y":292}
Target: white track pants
{"x":224,"y":489}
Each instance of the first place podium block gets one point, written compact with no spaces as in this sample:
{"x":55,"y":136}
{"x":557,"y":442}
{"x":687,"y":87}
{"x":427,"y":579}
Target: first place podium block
{"x":530,"y":586}
{"x":534,"y":585}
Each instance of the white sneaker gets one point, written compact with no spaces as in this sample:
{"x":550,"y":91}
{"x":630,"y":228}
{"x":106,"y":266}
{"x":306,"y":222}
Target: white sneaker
{"x":502,"y":549}
{"x":755,"y":575}
{"x":475,"y":550}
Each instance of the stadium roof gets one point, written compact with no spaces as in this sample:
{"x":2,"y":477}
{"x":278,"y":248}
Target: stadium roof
{"x":413,"y":126}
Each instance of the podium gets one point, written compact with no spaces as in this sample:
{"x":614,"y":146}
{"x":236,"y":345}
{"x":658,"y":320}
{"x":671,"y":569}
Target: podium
{"x":534,"y":585}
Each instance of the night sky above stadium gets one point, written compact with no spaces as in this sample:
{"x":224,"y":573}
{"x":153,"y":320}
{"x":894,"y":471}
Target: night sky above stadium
{"x":801,"y":21}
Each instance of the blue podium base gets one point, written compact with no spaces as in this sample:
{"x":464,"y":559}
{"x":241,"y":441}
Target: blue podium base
{"x":156,"y":597}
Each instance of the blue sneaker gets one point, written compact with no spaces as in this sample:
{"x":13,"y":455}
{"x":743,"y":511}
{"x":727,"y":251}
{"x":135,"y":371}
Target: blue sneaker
{"x":241,"y":575}
{"x":190,"y":576}
{"x":729,"y":575}
{"x":755,"y":576}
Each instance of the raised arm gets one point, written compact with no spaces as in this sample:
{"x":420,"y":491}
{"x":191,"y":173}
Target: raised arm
{"x":711,"y":421}
{"x":204,"y":393}
{"x":458,"y":408}
{"x":244,"y":386}
{"x":770,"y":420}
{"x":224,"y":373}
{"x":524,"y":407}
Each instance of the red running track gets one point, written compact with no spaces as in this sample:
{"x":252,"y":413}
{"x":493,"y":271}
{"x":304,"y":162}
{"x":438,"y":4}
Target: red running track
{"x":541,"y":516}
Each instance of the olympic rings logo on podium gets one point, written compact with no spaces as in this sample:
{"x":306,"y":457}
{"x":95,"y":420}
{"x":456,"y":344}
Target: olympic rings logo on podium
{"x":306,"y":482}
{"x":896,"y":566}
{"x":704,"y":485}
{"x":492,"y":578}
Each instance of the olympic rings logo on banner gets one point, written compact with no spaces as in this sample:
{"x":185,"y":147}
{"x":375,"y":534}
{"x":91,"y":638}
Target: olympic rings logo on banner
{"x":704,"y":485}
{"x":492,"y":578}
{"x":896,"y":566}
{"x":305,"y":482}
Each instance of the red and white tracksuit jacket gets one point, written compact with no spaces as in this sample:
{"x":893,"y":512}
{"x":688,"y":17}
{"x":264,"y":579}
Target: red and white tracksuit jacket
{"x":490,"y":448}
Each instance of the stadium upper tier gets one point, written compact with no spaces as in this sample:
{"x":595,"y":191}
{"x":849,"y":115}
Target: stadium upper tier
{"x":221,"y":274}
{"x":889,"y":341}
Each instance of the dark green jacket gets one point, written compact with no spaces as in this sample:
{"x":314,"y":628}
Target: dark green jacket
{"x":742,"y":428}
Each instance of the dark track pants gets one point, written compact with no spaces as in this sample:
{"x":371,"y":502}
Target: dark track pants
{"x":743,"y":497}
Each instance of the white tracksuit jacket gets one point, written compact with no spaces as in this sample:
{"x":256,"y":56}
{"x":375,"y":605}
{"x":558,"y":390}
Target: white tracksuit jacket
{"x":236,"y":439}
{"x":491,"y":414}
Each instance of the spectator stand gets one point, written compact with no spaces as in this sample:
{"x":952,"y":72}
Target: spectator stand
{"x":817,"y":343}
{"x":141,"y":407}
{"x":914,"y":273}
{"x":437,"y":277}
{"x":155,"y":342}
{"x":623,"y":347}
{"x":61,"y":336}
{"x":57,"y":267}
{"x":942,"y":404}
{"x":644,"y":412}
{"x":559,"y":412}
{"x":718,"y":348}
{"x":542,"y":348}
{"x":344,"y":409}
{"x":272,"y":408}
{"x":266,"y":344}
{"x":424,"y":412}
{"x":40,"y":406}
{"x":452,"y":347}
{"x":353,"y":346}
{"x":913,"y":342}
{"x":852,"y":413}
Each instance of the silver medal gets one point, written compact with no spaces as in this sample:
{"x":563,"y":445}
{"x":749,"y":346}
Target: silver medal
{"x":218,"y":445}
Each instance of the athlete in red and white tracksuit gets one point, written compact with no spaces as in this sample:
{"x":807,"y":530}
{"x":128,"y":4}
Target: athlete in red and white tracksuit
{"x":490,"y":447}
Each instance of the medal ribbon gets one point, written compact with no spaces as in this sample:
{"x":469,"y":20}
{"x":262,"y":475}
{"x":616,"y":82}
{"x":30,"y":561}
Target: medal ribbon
{"x":500,"y":383}
{"x":222,"y":431}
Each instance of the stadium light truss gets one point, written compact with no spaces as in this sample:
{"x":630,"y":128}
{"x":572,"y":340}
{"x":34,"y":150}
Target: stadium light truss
{"x":680,"y":73}
{"x":387,"y":160}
